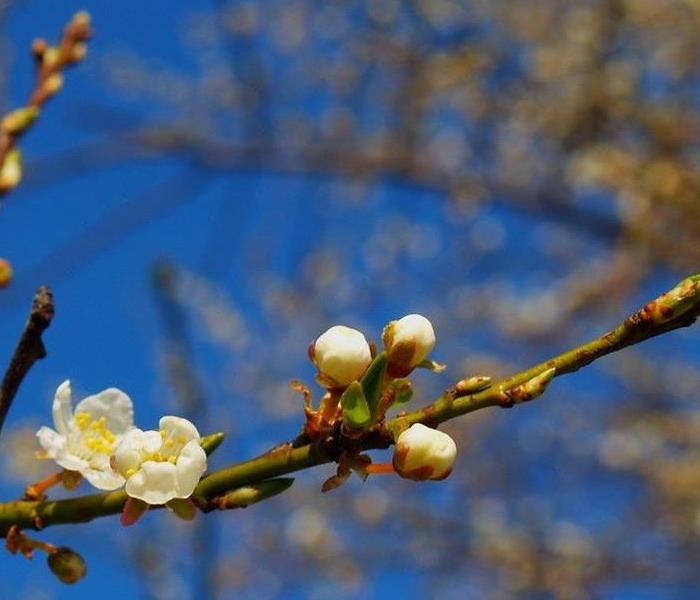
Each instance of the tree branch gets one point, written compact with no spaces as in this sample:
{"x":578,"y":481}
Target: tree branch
{"x":30,"y":348}
{"x":51,"y":61}
{"x":679,"y":307}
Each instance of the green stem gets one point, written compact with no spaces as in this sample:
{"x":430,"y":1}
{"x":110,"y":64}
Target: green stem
{"x":679,"y":307}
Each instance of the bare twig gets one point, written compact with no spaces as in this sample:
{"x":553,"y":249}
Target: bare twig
{"x":30,"y":348}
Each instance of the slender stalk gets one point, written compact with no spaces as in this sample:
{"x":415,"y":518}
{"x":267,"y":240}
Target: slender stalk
{"x":679,"y":307}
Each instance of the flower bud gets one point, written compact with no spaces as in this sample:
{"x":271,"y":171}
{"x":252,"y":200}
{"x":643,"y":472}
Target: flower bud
{"x":67,"y":565}
{"x":5,"y":273}
{"x":53,"y":84}
{"x":408,"y":341}
{"x":423,"y":453}
{"x":11,"y":171}
{"x":341,"y":356}
{"x":19,"y":120}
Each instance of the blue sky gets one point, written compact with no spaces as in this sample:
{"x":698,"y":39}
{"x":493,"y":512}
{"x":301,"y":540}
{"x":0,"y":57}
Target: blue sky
{"x":94,"y":238}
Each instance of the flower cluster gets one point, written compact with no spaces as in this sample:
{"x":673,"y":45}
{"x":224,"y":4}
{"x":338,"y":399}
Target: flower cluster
{"x":361,"y":385}
{"x":99,"y":441}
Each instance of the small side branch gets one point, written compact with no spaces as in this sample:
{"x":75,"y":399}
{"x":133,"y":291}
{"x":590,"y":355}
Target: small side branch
{"x":677,"y":308}
{"x":30,"y":348}
{"x":50,"y":61}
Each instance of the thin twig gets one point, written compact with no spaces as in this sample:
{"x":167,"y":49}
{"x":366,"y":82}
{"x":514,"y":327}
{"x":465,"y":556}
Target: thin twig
{"x":30,"y":348}
{"x":51,"y":61}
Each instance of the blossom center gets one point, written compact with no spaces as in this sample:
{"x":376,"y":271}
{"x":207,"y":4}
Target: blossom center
{"x":95,"y":434}
{"x":169,"y":451}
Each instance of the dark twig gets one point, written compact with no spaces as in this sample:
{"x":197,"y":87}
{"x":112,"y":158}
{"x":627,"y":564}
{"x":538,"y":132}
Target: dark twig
{"x":30,"y":348}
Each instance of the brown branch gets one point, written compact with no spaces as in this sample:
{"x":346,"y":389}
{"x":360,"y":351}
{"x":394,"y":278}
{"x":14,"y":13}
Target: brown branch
{"x":30,"y":348}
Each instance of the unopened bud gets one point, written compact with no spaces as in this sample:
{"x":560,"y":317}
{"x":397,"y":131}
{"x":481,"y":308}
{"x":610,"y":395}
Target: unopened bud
{"x":78,"y":52}
{"x":5,"y":273}
{"x":53,"y":84}
{"x":209,"y":443}
{"x":408,"y":341}
{"x":472,"y":385}
{"x":671,"y":305}
{"x":81,"y":23}
{"x":19,"y":120}
{"x":423,"y":453}
{"x":11,"y":171}
{"x":67,"y":565}
{"x":39,"y":46}
{"x":251,"y":494}
{"x":341,"y":356}
{"x":529,"y":390}
{"x":50,"y":57}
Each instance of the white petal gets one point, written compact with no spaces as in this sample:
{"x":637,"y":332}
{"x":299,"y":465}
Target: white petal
{"x":102,"y":479}
{"x":62,"y":411}
{"x":190,"y":466}
{"x":154,"y":483}
{"x":112,"y":404}
{"x":152,"y":441}
{"x":127,"y":455}
{"x":71,"y":462}
{"x":51,"y":441}
{"x":342,"y":353}
{"x":177,"y":427}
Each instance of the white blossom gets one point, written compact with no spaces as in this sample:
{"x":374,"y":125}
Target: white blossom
{"x":341,"y":355}
{"x":84,"y":440}
{"x":161,"y":465}
{"x":423,"y":453}
{"x":408,"y":341}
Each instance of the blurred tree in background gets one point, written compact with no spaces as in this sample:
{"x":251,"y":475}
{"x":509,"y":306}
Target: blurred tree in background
{"x":522,"y":173}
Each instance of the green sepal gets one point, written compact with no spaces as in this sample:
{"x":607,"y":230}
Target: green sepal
{"x":183,"y":508}
{"x":372,"y":382}
{"x":356,"y":413}
{"x":132,"y":511}
{"x":401,"y":390}
{"x":431,"y":365}
{"x":211,"y":442}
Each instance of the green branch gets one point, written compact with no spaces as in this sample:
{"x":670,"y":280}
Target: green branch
{"x":679,"y":307}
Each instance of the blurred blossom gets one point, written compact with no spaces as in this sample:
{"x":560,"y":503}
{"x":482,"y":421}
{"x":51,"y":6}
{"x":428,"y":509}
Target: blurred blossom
{"x":19,"y":450}
{"x":309,"y":529}
{"x":372,"y":505}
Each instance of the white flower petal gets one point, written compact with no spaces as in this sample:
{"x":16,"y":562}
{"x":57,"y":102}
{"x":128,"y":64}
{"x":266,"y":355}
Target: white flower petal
{"x":424,"y":453}
{"x":127,"y":455}
{"x":190,"y":467}
{"x":112,"y":404}
{"x":52,"y":442}
{"x":177,"y":427}
{"x":62,"y":410}
{"x":341,"y":354}
{"x":71,"y":462}
{"x":154,"y":482}
{"x":103,"y":480}
{"x":152,"y":441}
